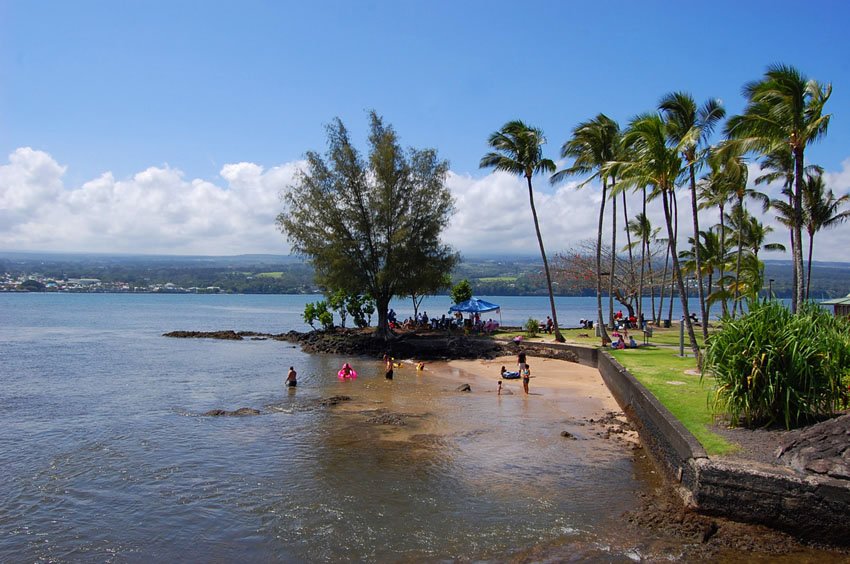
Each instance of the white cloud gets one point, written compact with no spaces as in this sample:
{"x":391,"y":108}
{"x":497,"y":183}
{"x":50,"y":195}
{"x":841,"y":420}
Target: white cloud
{"x":159,"y":210}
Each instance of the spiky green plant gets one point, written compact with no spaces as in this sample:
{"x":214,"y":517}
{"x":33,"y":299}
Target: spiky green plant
{"x":772,"y":366}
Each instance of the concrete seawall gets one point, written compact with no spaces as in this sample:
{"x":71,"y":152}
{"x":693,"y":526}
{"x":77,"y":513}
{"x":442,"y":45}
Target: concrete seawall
{"x":811,"y":507}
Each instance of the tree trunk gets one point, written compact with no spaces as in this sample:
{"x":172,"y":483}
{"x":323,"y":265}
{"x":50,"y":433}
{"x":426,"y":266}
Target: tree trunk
{"x":798,"y":229}
{"x":677,"y":275}
{"x":724,"y":303}
{"x":809,"y":269}
{"x":631,"y":284}
{"x":794,"y":280}
{"x":612,"y":276}
{"x":643,"y":245}
{"x":663,"y":287}
{"x":382,"y":304}
{"x":599,"y":323}
{"x":558,"y":337}
{"x":697,"y":261}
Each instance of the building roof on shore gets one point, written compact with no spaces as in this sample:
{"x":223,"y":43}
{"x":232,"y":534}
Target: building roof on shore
{"x":838,"y":301}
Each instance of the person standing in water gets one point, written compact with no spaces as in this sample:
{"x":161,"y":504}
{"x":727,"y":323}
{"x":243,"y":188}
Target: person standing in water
{"x":292,"y":378}
{"x":388,"y":374}
{"x":526,"y":376}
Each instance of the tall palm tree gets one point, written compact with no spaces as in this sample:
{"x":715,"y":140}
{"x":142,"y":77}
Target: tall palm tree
{"x":641,"y":228}
{"x":519,"y":150}
{"x":715,"y":191}
{"x":658,"y":164}
{"x":593,"y":144}
{"x":784,"y":109}
{"x":689,"y":128}
{"x":821,"y":210}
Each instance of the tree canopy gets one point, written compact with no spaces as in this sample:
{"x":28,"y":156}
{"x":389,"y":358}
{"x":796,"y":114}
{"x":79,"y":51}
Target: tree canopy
{"x":371,"y":224}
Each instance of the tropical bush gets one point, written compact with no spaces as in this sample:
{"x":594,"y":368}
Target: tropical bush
{"x":773,"y":366}
{"x":532,"y":326}
{"x":318,"y":311}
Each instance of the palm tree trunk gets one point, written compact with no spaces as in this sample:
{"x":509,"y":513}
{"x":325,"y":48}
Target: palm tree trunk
{"x":629,"y":247}
{"x":642,"y":259}
{"x":798,"y":228}
{"x":736,"y":303}
{"x":809,"y":271}
{"x":673,"y":281}
{"x":724,"y":303}
{"x":663,"y":287}
{"x":697,"y":263}
{"x":600,"y":326}
{"x":794,"y":279}
{"x":677,"y":275}
{"x":558,"y":337}
{"x":611,"y":277}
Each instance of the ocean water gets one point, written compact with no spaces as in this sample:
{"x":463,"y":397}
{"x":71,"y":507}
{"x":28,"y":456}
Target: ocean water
{"x":105,"y":456}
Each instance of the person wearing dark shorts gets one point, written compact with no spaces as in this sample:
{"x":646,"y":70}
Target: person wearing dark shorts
{"x":291,"y":378}
{"x":389,"y":369}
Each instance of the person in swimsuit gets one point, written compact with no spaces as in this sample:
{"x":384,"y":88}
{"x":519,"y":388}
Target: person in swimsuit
{"x":526,"y":376}
{"x":291,"y":378}
{"x":520,"y":360}
{"x":389,"y":369}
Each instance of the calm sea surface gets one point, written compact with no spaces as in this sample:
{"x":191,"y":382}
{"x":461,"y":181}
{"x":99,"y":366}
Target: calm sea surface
{"x":103,"y":455}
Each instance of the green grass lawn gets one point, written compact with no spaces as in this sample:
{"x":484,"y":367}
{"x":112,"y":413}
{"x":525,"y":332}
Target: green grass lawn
{"x":663,"y":372}
{"x":269,"y":275}
{"x":498,"y":279}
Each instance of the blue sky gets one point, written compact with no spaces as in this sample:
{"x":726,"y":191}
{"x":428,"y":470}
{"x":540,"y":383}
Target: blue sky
{"x":182,"y":90}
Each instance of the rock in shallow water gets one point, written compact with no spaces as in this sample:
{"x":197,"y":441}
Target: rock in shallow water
{"x":241,"y":412}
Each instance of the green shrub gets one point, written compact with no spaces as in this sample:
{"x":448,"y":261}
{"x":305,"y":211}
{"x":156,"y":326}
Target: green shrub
{"x":532,"y":326}
{"x":773,"y":366}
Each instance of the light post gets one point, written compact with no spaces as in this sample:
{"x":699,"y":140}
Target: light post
{"x":770,"y":289}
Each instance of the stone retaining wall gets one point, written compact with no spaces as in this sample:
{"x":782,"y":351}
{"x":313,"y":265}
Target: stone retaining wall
{"x":811,"y":507}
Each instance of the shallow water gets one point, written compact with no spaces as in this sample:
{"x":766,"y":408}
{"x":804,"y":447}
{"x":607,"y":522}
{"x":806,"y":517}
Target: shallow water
{"x":105,"y":457}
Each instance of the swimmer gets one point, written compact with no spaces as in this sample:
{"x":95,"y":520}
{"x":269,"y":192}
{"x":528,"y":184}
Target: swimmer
{"x":291,"y":378}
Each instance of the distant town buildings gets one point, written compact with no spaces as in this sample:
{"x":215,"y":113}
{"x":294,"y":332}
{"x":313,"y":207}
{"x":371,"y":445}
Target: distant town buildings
{"x":38,"y":283}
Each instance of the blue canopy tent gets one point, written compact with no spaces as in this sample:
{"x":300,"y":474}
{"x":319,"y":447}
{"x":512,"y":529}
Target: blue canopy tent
{"x":474,"y":305}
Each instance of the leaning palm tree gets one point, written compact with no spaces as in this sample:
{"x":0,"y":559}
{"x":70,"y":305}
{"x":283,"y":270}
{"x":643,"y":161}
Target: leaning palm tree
{"x":784,"y":109}
{"x":594,"y":143}
{"x":821,"y":210}
{"x":657,"y":164}
{"x":689,"y":127}
{"x":518,"y":150}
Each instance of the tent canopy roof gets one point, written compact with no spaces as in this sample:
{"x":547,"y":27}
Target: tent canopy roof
{"x":474,"y":305}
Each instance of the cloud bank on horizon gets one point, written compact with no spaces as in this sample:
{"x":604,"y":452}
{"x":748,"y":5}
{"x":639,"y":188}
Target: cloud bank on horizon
{"x":160,"y":211}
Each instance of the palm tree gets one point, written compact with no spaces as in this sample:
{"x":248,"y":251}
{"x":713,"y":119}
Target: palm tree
{"x":641,"y":228}
{"x":784,"y":109}
{"x":518,"y":150}
{"x":821,"y":210}
{"x":689,"y":127}
{"x":593,"y":144}
{"x":658,"y":165}
{"x":715,"y":191}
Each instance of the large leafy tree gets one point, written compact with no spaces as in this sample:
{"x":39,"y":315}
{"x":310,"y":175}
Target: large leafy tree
{"x":594,"y":144}
{"x":518,"y":149}
{"x":368,"y":224}
{"x":689,"y":127}
{"x":784,"y":109}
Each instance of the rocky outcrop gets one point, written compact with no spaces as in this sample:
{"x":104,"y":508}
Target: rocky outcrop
{"x":423,"y":346}
{"x":823,"y":448}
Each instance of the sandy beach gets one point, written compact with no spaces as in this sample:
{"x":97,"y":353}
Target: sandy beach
{"x":572,"y":388}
